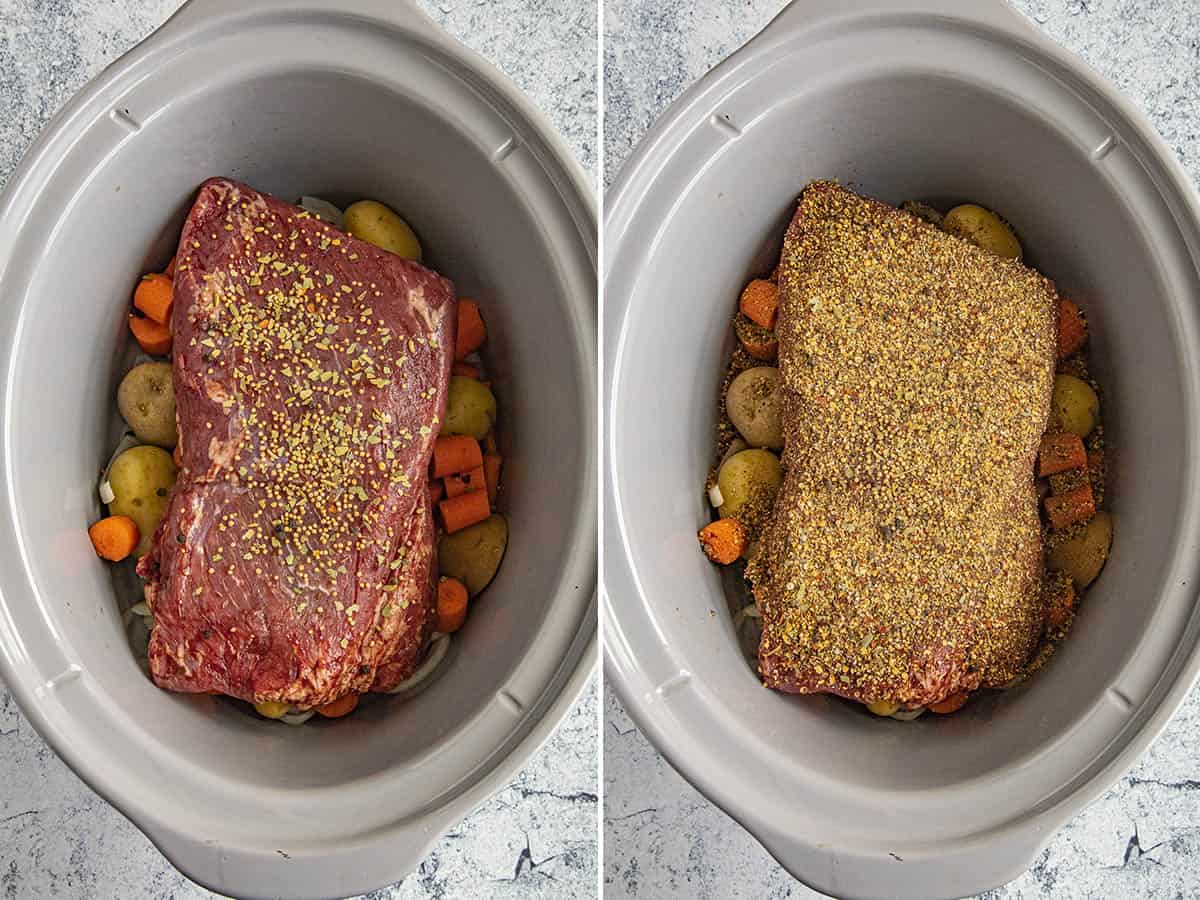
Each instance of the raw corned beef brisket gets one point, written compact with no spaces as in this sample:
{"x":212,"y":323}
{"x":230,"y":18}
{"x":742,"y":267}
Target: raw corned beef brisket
{"x":903,"y":558}
{"x":295,"y":561}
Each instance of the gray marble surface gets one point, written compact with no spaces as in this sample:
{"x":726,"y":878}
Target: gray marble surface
{"x":537,"y":837}
{"x":662,"y":838}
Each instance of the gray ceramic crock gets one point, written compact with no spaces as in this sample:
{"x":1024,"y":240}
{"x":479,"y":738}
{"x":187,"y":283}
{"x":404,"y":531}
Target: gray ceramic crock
{"x":944,"y":101}
{"x":348,"y":99}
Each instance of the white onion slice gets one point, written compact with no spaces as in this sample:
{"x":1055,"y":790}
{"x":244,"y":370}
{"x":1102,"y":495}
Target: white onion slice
{"x":907,"y":715}
{"x":322,"y":209}
{"x":715,"y":497}
{"x":297,"y":718}
{"x":437,"y":651}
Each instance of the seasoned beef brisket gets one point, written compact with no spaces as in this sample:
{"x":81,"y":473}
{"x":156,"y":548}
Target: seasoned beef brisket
{"x":903,"y":558}
{"x":311,"y":369}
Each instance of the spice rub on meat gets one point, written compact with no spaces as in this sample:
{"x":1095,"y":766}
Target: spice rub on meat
{"x":903,"y":559}
{"x":295,"y":557}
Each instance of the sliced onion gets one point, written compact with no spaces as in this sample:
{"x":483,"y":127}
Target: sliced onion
{"x":433,"y":657}
{"x":322,"y":209}
{"x":715,"y":497}
{"x":142,"y":609}
{"x":907,"y":715}
{"x":297,"y":718}
{"x":128,"y":439}
{"x":737,"y":445}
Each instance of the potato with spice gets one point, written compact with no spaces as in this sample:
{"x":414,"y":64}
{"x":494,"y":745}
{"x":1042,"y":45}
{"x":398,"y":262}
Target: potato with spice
{"x":1074,"y":406}
{"x":1083,"y":556}
{"x":470,"y":408}
{"x":146,"y":400}
{"x":753,"y":405}
{"x":141,"y":478}
{"x":748,"y":482}
{"x":983,"y":228}
{"x":473,"y":555}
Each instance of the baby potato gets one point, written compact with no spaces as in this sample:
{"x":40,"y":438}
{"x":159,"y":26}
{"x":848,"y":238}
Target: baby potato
{"x":753,"y":404}
{"x":749,"y":481}
{"x":146,"y":399}
{"x":473,"y":555}
{"x":141,"y":478}
{"x":1084,"y":556}
{"x":1074,"y":406}
{"x":983,"y":228}
{"x":371,"y":221}
{"x":470,"y":408}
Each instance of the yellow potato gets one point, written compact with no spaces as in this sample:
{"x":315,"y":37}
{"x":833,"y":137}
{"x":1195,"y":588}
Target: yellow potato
{"x":753,"y":404}
{"x":1084,"y":556}
{"x":470,"y":408}
{"x":146,"y":399}
{"x":271,"y":709}
{"x":883,"y":707}
{"x":371,"y":221}
{"x":749,"y":481}
{"x":1074,"y":406}
{"x":141,"y":478}
{"x":983,"y":228}
{"x":473,"y":555}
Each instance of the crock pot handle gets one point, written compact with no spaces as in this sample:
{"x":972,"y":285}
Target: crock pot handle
{"x":907,"y":876}
{"x":405,"y":14}
{"x":804,"y":14}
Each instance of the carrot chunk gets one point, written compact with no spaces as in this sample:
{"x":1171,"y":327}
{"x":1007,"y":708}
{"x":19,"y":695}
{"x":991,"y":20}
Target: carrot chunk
{"x":342,"y":706}
{"x":465,"y":482}
{"x":1074,"y":506}
{"x":1060,"y":452}
{"x":153,"y":297}
{"x":760,"y":302}
{"x":436,"y":492}
{"x":169,"y":271}
{"x":465,"y":369}
{"x":723,"y":541}
{"x":953,"y":703}
{"x":464,"y":510}
{"x":153,"y":337}
{"x":759,"y":342}
{"x":114,"y":537}
{"x":1072,"y":328}
{"x":471,"y":330}
{"x":451,"y":605}
{"x":492,"y":463}
{"x":1060,"y":605}
{"x":455,"y":453}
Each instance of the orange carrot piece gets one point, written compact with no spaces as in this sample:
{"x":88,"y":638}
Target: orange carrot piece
{"x":342,"y":706}
{"x":1074,"y":506}
{"x":491,"y":475}
{"x":152,"y":337}
{"x":764,"y":350}
{"x":451,"y":605}
{"x":1060,"y":452}
{"x":465,"y":369}
{"x":760,"y":302}
{"x":436,"y":492}
{"x":489,"y":442}
{"x":169,"y":271}
{"x":465,"y":482}
{"x":723,"y":541}
{"x":114,"y":537}
{"x":454,"y":453}
{"x":953,"y":703}
{"x":1059,"y":609}
{"x":153,"y":297}
{"x":464,"y":510}
{"x":1072,"y":328}
{"x":471,"y":330}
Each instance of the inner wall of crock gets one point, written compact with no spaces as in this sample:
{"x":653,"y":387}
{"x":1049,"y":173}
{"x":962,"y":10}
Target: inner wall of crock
{"x":331,"y":135}
{"x":921,"y":136}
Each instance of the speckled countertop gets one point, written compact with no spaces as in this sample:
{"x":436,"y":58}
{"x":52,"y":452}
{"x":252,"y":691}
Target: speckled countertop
{"x":662,"y":838}
{"x":536,"y":838}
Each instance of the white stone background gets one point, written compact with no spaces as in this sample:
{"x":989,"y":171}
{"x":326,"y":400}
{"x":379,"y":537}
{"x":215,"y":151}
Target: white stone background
{"x":535,"y":839}
{"x":662,"y":839}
